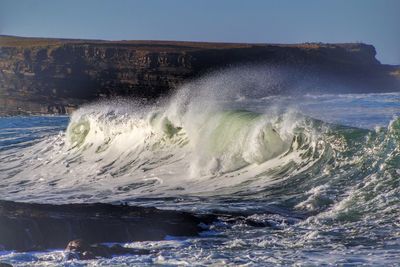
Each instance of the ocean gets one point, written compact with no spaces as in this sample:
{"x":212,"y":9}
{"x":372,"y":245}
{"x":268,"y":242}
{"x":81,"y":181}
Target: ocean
{"x":320,"y":171}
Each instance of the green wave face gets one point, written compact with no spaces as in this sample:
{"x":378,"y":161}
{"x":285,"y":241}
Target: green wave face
{"x":77,"y":132}
{"x":231,"y":128}
{"x":239,"y":138}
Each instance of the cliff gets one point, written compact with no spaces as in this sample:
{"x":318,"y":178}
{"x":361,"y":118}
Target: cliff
{"x":56,"y":75}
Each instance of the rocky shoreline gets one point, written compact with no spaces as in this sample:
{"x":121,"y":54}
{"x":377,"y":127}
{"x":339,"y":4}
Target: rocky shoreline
{"x":55,"y":76}
{"x":37,"y":227}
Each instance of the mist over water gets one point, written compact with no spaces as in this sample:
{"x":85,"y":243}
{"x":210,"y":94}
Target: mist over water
{"x":323,"y":170}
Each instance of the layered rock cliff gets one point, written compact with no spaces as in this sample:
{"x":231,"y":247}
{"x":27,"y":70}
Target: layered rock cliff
{"x":56,"y":75}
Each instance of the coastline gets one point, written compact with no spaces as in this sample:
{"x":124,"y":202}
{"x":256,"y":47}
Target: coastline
{"x":56,"y":76}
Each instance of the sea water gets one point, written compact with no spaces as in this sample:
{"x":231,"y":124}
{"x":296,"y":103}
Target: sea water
{"x":321,"y":171}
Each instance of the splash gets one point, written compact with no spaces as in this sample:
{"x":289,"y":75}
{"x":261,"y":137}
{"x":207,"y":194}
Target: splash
{"x":228,"y":142}
{"x":214,"y":138}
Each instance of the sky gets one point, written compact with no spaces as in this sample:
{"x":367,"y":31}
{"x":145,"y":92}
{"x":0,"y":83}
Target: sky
{"x":374,"y":22}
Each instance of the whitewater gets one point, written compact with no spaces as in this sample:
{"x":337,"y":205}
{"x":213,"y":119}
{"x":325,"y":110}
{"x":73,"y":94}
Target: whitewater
{"x":321,"y":171}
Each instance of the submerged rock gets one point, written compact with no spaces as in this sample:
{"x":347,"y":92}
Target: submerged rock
{"x":80,"y":249}
{"x":27,"y":227}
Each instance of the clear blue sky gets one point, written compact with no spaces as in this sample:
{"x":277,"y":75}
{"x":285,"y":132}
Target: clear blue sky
{"x":375,"y":22}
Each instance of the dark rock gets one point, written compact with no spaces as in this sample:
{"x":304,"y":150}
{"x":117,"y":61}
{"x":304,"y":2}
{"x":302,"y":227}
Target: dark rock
{"x":27,"y":227}
{"x":255,"y":223}
{"x":2,"y":264}
{"x":77,"y":245}
{"x":79,"y":249}
{"x":49,"y":76}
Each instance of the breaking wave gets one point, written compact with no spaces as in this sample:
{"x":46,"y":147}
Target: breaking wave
{"x":209,"y":145}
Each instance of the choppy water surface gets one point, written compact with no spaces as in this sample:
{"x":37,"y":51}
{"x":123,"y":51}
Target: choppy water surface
{"x":322,"y":171}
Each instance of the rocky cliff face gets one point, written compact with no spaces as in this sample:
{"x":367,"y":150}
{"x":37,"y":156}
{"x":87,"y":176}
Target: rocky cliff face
{"x":56,"y":76}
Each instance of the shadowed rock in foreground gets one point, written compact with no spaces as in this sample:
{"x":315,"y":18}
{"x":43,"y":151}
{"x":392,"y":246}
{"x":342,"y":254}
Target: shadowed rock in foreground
{"x":79,"y":249}
{"x":50,"y":76}
{"x":25,"y":226}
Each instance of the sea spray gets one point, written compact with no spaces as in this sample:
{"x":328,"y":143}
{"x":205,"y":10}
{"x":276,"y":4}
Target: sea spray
{"x":320,"y":172}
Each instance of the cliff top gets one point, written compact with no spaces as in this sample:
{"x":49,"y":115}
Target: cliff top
{"x":15,"y":41}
